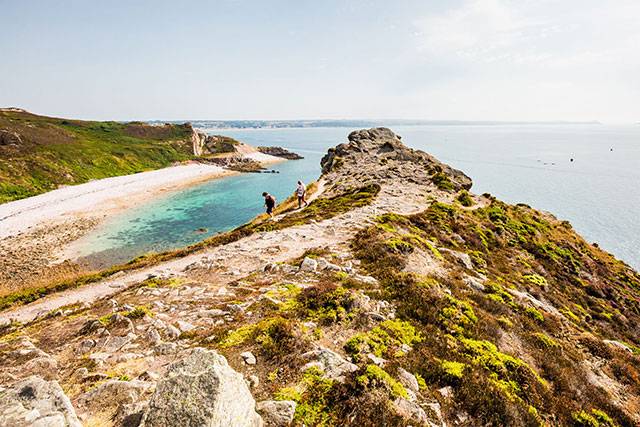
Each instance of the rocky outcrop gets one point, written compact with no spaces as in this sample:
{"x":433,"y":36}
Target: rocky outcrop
{"x":280,"y":152}
{"x":202,"y":390}
{"x":204,"y":144}
{"x":379,"y":156}
{"x":36,"y":402}
{"x":9,"y":138}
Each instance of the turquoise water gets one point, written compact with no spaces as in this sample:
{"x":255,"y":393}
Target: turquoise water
{"x":599,"y":192}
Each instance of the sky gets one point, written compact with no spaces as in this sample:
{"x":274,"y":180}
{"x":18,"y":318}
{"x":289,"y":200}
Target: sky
{"x":505,"y":60}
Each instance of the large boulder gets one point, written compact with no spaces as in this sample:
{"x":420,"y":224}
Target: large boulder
{"x":202,"y":391}
{"x":36,"y":402}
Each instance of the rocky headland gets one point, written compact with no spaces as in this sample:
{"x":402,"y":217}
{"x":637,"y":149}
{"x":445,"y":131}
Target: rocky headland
{"x":397,"y":297}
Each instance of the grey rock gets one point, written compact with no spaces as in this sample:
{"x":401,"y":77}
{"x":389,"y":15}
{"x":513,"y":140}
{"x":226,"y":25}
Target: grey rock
{"x":253,"y":381}
{"x":408,"y":380}
{"x":216,"y":312}
{"x":366,"y":279}
{"x":309,"y":264}
{"x":333,"y":365}
{"x":277,"y":413}
{"x":376,"y":360}
{"x":248,"y":358}
{"x":172,"y":332}
{"x":36,"y":402}
{"x":185,"y":326}
{"x":165,"y":348}
{"x":154,"y":336}
{"x":114,"y":393}
{"x":323,"y":264}
{"x":45,"y":367}
{"x":462,"y":258}
{"x":446,"y":392}
{"x":411,"y":411}
{"x":85,"y":346}
{"x":202,"y":390}
{"x":115,"y":343}
{"x":474,"y":283}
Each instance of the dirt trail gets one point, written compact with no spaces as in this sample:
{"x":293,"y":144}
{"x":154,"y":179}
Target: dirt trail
{"x":244,"y":256}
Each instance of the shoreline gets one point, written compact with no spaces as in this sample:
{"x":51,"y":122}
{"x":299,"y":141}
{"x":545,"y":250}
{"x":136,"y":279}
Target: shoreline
{"x":115,"y":194}
{"x":36,"y":233}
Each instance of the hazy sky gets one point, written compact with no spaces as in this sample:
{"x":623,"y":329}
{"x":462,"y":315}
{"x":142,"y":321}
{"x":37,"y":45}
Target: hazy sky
{"x":241,"y":59}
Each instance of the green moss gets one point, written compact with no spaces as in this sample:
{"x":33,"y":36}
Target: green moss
{"x":389,"y":335}
{"x":442,"y":181}
{"x":535,"y":279}
{"x":375,"y":376}
{"x":570,"y":314}
{"x":399,"y":245}
{"x":313,"y":407}
{"x":457,"y":315}
{"x":325,"y":304}
{"x":505,"y":322}
{"x":453,"y":370}
{"x":497,"y":293}
{"x":139,"y":312}
{"x":534,"y":313}
{"x":421,"y":382}
{"x":596,"y":418}
{"x":545,"y":342}
{"x":512,"y":375}
{"x":465,"y":199}
{"x":239,"y":336}
{"x":288,"y":393}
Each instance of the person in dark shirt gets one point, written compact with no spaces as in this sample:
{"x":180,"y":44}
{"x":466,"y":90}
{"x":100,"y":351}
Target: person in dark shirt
{"x":269,"y":203}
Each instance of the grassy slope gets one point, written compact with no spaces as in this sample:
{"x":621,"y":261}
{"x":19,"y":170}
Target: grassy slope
{"x":58,"y":152}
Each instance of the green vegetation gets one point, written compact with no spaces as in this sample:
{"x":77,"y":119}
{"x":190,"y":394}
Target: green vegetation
{"x":386,"y":339}
{"x":442,"y":181}
{"x":545,"y":342}
{"x":56,"y":152}
{"x":326,"y":303}
{"x":453,"y":371}
{"x":375,"y":376}
{"x":596,"y":418}
{"x":465,"y":199}
{"x":138,"y":312}
{"x":470,"y":338}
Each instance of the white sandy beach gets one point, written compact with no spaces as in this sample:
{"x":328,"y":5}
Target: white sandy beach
{"x":97,"y":198}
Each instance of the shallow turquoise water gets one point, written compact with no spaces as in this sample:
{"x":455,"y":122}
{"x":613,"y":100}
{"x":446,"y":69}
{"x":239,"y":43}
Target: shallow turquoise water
{"x":599,"y":192}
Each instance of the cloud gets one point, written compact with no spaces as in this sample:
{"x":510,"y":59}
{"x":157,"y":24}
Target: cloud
{"x":540,"y":33}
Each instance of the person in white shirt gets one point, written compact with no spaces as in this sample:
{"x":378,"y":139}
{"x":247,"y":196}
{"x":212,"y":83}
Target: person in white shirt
{"x":301,"y":191}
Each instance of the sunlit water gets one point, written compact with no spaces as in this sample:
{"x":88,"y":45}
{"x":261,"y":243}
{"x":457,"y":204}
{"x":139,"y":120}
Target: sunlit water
{"x":599,"y":192}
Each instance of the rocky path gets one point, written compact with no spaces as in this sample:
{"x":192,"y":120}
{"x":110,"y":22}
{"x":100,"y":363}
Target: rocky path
{"x":242,"y":257}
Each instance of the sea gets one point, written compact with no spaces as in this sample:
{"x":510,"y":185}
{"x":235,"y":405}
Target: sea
{"x":588,"y":174}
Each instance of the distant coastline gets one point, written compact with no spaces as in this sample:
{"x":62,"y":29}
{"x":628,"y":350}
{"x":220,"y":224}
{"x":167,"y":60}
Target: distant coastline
{"x":285,"y":124}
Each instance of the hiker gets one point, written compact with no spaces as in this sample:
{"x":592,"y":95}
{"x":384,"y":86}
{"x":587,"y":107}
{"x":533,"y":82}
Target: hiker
{"x":269,"y":203}
{"x":301,"y":191}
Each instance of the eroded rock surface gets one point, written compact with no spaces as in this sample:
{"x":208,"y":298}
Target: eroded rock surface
{"x":202,"y":390}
